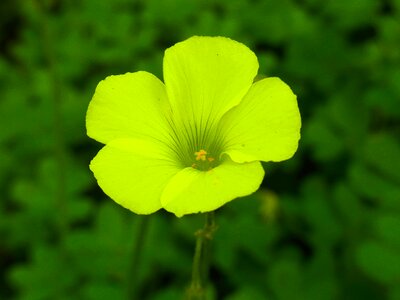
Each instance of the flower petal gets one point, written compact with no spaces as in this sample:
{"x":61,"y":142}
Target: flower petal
{"x":206,"y":76}
{"x":133,"y":173}
{"x":192,"y":191}
{"x":129,"y":105}
{"x":265,"y":125}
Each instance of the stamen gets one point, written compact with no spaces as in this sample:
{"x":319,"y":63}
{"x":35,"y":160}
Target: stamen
{"x":201,"y":155}
{"x":202,"y":162}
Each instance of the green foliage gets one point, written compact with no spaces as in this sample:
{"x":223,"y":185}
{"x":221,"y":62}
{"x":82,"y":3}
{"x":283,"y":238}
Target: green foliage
{"x":327,"y":228}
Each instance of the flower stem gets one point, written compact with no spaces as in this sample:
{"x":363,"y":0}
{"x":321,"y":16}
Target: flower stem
{"x":60,"y":153}
{"x":196,"y":290}
{"x":133,"y":275}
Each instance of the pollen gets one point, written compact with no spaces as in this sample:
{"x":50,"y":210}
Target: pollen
{"x":204,"y":161}
{"x":201,"y":155}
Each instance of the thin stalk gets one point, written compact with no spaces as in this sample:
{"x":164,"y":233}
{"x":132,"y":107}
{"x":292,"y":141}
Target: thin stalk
{"x":49,"y":55}
{"x":133,"y":273}
{"x":47,"y":41}
{"x":197,"y":288}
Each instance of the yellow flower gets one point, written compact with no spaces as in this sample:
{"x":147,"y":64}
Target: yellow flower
{"x":196,"y":142}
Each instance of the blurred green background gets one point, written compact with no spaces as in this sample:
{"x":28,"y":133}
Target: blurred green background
{"x":325,"y":225}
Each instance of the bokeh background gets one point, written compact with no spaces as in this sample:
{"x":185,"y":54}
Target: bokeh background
{"x":325,"y":225}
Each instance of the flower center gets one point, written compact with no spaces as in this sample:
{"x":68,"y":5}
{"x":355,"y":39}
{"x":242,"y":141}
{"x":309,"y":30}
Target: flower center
{"x":196,"y":144}
{"x":203,"y":162}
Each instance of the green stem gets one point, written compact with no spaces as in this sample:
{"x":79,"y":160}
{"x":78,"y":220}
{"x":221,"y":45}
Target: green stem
{"x":133,"y":278}
{"x":48,"y":42}
{"x":200,"y":269}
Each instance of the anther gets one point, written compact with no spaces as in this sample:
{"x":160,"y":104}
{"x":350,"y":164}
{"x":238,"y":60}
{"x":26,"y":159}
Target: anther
{"x":201,"y":155}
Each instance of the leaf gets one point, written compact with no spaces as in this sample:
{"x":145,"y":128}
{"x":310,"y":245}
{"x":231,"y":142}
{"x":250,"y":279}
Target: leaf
{"x":379,"y":261}
{"x":349,"y":206}
{"x":387,"y":227}
{"x":102,"y":290}
{"x":372,"y":186}
{"x":382,"y":152}
{"x":46,"y":276}
{"x":285,"y":280}
{"x":325,"y":142}
{"x":248,"y":292}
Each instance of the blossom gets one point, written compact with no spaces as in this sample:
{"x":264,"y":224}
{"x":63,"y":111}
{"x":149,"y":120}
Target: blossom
{"x":195,"y":142}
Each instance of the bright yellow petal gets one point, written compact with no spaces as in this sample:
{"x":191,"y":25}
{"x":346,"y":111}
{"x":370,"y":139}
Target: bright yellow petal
{"x":265,"y":125}
{"x":129,"y":105}
{"x":206,"y":76}
{"x":193,"y":191}
{"x":133,"y":173}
